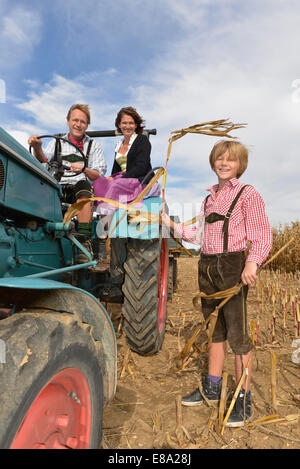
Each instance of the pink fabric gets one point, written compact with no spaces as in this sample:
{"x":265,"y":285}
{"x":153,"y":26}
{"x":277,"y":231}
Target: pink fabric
{"x":120,"y":189}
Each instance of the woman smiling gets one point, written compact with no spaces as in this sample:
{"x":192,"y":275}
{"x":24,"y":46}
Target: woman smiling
{"x":131,"y":171}
{"x":131,"y":164}
{"x":132,"y":153}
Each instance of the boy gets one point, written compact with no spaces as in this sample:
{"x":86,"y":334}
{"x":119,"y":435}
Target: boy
{"x":234,"y":215}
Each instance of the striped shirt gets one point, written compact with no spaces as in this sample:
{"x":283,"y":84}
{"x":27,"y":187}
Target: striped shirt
{"x":247,"y":223}
{"x":96,"y":158}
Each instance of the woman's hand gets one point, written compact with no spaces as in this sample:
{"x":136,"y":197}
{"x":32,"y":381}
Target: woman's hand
{"x":249,"y":276}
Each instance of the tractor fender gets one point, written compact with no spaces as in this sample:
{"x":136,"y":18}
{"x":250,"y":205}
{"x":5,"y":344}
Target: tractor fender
{"x":61,"y":297}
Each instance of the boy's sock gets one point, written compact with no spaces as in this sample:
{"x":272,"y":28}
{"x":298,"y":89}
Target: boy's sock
{"x":85,"y":229}
{"x":214,"y":379}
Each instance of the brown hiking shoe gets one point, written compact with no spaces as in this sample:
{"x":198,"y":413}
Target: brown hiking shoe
{"x":82,"y":257}
{"x":103,"y":256}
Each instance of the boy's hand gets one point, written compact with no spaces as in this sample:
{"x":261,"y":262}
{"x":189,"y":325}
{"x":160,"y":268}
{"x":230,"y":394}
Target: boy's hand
{"x":165,"y":220}
{"x":249,"y":276}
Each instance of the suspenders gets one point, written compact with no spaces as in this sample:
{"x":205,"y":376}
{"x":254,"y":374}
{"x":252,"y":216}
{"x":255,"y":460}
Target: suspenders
{"x":213,"y":217}
{"x":58,"y":148}
{"x":57,"y":151}
{"x":89,"y":149}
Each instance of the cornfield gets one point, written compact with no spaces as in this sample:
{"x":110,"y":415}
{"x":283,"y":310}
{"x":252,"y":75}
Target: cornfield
{"x":289,"y":260}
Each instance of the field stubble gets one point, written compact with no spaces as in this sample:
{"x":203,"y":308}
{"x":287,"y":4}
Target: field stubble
{"x":146,"y":412}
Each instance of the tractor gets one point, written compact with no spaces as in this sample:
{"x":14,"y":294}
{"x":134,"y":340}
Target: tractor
{"x":175,"y":250}
{"x":58,"y":351}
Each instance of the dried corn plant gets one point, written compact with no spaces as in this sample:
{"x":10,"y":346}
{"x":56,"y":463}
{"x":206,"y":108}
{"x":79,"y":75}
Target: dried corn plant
{"x":217,"y":128}
{"x":277,"y":299}
{"x":289,"y":260}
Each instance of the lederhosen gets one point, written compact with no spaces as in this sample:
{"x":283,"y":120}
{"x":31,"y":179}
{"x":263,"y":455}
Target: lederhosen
{"x":218,"y":272}
{"x":71,"y":192}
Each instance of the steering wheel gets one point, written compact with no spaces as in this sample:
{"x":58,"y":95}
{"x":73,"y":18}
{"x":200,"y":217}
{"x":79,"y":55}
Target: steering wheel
{"x":59,"y":170}
{"x":149,"y":174}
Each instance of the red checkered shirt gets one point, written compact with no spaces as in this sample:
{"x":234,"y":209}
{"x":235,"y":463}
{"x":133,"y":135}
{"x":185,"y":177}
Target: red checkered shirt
{"x":248,"y":222}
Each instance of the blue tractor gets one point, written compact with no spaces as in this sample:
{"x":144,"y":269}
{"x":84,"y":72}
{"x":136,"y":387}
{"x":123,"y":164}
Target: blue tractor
{"x":58,"y":354}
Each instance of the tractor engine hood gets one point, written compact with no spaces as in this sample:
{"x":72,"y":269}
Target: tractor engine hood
{"x":26,"y":188}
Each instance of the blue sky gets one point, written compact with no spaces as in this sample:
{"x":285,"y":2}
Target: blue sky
{"x":179,"y":64}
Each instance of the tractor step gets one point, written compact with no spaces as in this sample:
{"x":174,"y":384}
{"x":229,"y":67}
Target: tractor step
{"x":103,"y":265}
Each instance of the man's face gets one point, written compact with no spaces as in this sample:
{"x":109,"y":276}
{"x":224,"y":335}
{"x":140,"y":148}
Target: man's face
{"x":78,"y":123}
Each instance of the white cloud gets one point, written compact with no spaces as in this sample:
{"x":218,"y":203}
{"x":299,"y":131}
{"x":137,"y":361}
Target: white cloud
{"x":21,"y":137}
{"x":2,"y":91}
{"x":246,"y":80}
{"x":228,"y":59}
{"x":20,"y":32}
{"x":48,"y":105}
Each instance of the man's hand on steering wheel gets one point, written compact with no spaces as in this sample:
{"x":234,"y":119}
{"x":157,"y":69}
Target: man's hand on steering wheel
{"x":77,"y":167}
{"x":35,"y":142}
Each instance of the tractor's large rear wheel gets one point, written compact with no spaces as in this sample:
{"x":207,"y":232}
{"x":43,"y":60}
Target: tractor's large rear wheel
{"x":51,"y":383}
{"x":145,"y":294}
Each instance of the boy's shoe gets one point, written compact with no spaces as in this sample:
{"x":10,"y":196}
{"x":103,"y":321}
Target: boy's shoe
{"x":241,"y":412}
{"x":192,"y":399}
{"x":212,"y":392}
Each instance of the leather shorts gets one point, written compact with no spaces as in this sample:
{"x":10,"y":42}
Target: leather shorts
{"x":71,"y":192}
{"x":219,"y":272}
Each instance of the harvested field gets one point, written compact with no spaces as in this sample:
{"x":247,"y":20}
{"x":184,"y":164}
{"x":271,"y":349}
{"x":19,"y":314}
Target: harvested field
{"x":146,"y":414}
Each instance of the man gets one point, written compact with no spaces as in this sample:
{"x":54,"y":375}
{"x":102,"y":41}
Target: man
{"x":76,"y":187}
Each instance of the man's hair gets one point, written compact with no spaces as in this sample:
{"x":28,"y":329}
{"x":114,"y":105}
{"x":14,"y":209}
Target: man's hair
{"x":81,"y":107}
{"x":236,"y":150}
{"x":130,"y":111}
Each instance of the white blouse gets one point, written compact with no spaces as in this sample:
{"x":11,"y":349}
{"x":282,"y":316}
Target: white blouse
{"x":119,"y":143}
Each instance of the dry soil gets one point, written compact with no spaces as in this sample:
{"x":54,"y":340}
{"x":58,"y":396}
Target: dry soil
{"x":145,"y":413}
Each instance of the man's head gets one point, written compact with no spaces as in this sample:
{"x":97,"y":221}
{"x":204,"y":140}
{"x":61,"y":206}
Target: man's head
{"x":236,"y":151}
{"x":78,"y":119}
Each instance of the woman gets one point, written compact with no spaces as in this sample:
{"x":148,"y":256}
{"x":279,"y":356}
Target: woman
{"x":132,"y":153}
{"x":131,"y":165}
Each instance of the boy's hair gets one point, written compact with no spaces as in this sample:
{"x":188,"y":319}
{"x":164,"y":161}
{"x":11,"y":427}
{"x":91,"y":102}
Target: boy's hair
{"x":236,"y":150}
{"x":81,"y":107}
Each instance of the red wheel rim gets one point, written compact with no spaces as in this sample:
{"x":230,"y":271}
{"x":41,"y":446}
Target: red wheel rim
{"x":162,"y":284}
{"x":60,"y":416}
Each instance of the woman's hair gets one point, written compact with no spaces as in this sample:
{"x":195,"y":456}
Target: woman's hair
{"x":81,"y":107}
{"x":130,"y":111}
{"x":236,"y":150}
